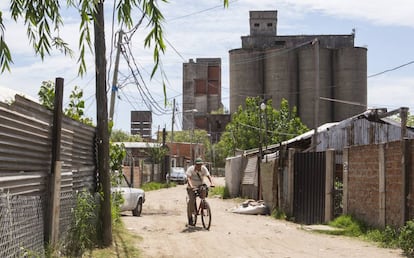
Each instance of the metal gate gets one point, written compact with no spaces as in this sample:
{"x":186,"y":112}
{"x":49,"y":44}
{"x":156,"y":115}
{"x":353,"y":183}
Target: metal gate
{"x":309,"y":187}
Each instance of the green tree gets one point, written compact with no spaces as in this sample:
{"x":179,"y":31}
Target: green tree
{"x":121,"y":136}
{"x":76,"y":103}
{"x":47,"y":94}
{"x":76,"y":106}
{"x":410,"y":119}
{"x":253,"y":126}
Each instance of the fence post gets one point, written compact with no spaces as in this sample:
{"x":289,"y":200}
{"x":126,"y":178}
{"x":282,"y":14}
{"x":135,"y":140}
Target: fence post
{"x":52,"y":232}
{"x":329,"y":184}
{"x":290,"y":183}
{"x":382,"y":184}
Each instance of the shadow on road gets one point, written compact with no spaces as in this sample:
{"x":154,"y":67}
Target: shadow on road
{"x":191,"y":229}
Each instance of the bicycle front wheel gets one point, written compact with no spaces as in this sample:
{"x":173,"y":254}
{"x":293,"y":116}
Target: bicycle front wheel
{"x":206,"y":215}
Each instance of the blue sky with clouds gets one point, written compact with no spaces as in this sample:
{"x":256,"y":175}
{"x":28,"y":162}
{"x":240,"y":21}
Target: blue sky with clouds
{"x":203,"y":28}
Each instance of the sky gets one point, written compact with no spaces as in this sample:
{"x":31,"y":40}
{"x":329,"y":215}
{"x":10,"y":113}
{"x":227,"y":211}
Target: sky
{"x":205,"y":29}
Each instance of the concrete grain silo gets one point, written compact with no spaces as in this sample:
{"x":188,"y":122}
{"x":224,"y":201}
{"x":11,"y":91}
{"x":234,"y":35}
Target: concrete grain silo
{"x":246,"y":76}
{"x":350,"y":68}
{"x":280,"y":76}
{"x":325,"y":86}
{"x":308,"y":92}
{"x":273,"y":66}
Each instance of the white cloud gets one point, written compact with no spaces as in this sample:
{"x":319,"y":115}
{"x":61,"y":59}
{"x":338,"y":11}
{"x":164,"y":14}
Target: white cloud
{"x":382,"y":12}
{"x":204,"y":28}
{"x":391,"y":92}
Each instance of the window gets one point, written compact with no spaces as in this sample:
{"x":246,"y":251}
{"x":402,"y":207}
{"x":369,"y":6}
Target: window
{"x":257,"y":25}
{"x":269,"y":24}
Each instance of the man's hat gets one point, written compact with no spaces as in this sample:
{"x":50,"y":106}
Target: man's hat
{"x":198,"y":161}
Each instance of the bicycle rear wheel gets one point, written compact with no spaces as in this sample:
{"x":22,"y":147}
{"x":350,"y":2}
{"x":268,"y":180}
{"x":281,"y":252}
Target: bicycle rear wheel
{"x":206,"y":215}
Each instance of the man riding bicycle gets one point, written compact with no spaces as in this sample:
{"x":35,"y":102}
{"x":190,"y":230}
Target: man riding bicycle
{"x":195,"y":174}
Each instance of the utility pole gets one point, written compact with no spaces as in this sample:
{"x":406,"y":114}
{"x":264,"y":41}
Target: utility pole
{"x":102,"y":133}
{"x":114,"y":88}
{"x":172,"y":139}
{"x":172,"y":122}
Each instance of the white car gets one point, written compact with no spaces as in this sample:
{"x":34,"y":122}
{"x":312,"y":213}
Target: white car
{"x":177,"y":175}
{"x":133,"y":197}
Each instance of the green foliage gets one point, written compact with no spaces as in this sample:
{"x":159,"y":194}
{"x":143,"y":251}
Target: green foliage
{"x":278,"y":214}
{"x":83,"y":232}
{"x":389,"y":237}
{"x":47,"y":94}
{"x":386,"y":238}
{"x":151,"y":186}
{"x":43,"y":22}
{"x":121,"y":136}
{"x":410,"y":119}
{"x":253,"y":126}
{"x":76,"y":104}
{"x":221,"y":191}
{"x":157,"y":154}
{"x":349,"y":226}
{"x":219,"y":111}
{"x":406,"y":238}
{"x":117,"y":153}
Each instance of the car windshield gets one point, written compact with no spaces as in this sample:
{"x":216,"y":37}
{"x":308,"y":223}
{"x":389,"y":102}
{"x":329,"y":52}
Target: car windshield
{"x":177,"y":170}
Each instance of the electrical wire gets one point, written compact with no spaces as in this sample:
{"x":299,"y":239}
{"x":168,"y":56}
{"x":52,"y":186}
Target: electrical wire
{"x":392,"y":69}
{"x":146,"y":92}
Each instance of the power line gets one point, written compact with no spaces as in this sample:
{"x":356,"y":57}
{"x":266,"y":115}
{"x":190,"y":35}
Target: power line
{"x":392,"y":69}
{"x":201,"y":11}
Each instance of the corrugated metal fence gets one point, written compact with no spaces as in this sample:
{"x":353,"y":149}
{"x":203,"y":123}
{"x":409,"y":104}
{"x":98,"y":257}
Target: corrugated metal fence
{"x":25,"y":165}
{"x":309,"y":187}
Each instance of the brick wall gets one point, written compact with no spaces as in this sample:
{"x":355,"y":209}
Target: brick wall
{"x":137,"y":175}
{"x":393,"y":184}
{"x":363,"y":186}
{"x":363,"y":198}
{"x":410,"y":197}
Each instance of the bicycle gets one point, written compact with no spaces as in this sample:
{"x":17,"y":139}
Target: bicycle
{"x":202,"y":209}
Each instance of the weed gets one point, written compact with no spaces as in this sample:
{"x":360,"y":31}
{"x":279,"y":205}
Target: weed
{"x":349,"y":226}
{"x":278,"y":214}
{"x":83,"y":232}
{"x":406,"y":238}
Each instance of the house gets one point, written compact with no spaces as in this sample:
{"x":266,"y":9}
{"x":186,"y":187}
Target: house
{"x":274,"y":177}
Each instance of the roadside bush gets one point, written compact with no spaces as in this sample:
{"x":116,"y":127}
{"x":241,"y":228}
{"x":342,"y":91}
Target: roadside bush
{"x":83,"y":231}
{"x":350,"y":225}
{"x":278,"y":214}
{"x":386,"y":238}
{"x":221,"y":191}
{"x":406,"y":238}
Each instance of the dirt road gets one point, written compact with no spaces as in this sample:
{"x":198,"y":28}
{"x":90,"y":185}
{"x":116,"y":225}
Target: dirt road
{"x":165,"y":234}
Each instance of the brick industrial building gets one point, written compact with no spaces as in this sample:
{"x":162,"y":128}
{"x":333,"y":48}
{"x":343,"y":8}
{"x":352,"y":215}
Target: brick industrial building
{"x":202,"y":96}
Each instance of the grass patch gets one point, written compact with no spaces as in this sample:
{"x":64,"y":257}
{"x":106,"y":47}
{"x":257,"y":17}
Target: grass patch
{"x":221,"y":191}
{"x":151,"y":186}
{"x":389,"y":237}
{"x":348,"y":226}
{"x":278,"y":214}
{"x":124,"y":245}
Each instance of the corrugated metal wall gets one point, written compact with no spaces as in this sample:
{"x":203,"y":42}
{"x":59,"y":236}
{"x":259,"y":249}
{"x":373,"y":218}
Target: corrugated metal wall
{"x":309,"y":187}
{"x":25,"y":149}
{"x":25,"y":157}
